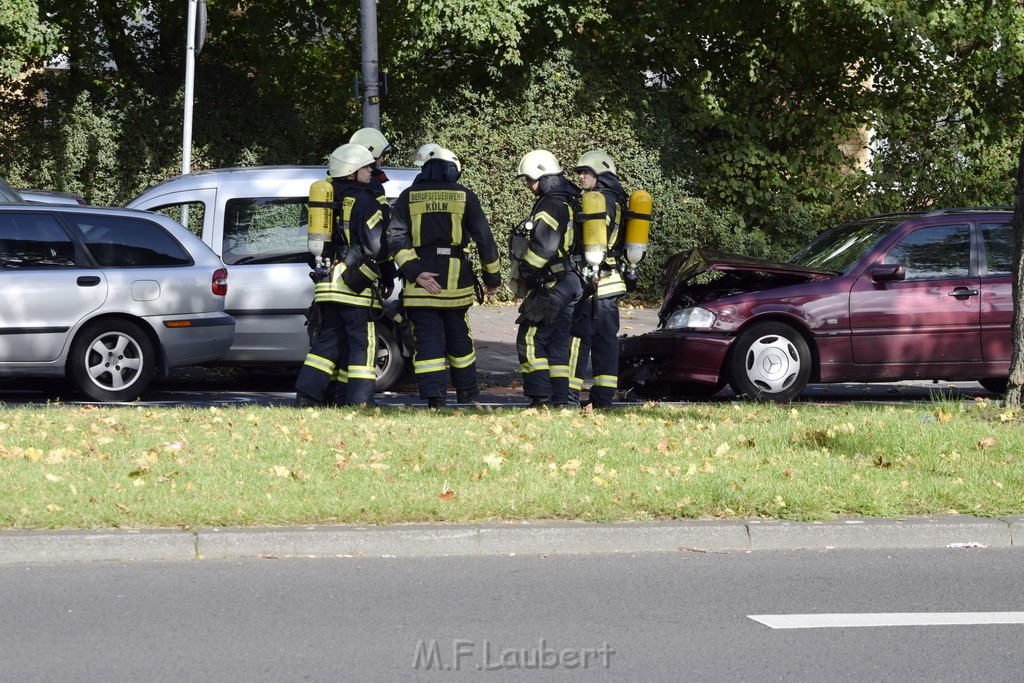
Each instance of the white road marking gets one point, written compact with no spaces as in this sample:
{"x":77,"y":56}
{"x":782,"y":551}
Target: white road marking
{"x":779,"y":621}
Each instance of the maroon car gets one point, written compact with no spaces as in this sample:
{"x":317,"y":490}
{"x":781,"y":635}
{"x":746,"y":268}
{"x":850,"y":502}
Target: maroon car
{"x":886,"y":298}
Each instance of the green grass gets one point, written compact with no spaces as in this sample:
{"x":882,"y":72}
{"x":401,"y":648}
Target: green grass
{"x":92,"y":467}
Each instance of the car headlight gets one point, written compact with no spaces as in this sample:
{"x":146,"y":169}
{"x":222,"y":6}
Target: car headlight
{"x":700,"y":318}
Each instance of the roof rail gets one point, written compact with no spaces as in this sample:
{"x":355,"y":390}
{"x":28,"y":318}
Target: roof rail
{"x":968,"y":209}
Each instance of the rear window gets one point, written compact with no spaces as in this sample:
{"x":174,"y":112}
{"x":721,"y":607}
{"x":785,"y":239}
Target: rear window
{"x":127,"y":242}
{"x":34,"y":240}
{"x":265,"y":230}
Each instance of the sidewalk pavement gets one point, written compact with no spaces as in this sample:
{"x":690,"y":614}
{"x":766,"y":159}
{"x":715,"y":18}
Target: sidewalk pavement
{"x":513,"y":538}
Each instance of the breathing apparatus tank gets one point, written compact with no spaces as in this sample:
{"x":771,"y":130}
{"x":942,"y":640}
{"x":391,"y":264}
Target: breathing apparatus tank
{"x":595,"y":233}
{"x":321,"y":217}
{"x":638,"y":229}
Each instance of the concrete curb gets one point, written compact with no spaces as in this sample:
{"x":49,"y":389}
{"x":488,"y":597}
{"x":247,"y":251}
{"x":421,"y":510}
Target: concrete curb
{"x":86,"y":546}
{"x":543,"y":538}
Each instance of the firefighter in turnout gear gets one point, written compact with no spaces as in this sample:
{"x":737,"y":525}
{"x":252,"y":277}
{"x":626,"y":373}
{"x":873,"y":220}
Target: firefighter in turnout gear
{"x":431,"y":227}
{"x":546,"y":268}
{"x":378,"y":145}
{"x":340,"y":366}
{"x":595,"y":330}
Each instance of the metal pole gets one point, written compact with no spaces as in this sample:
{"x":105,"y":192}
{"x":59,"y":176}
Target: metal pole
{"x":371,"y":76}
{"x":190,"y":73}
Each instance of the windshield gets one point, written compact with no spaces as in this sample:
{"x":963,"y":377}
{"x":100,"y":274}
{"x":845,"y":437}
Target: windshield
{"x":840,"y":248}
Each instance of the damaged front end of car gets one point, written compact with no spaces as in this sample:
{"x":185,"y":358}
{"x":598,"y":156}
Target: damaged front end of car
{"x":707,"y":299}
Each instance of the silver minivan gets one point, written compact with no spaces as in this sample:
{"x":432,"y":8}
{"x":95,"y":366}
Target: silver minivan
{"x":255,"y":218}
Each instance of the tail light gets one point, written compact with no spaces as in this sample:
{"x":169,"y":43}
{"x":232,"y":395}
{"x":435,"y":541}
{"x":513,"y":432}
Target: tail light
{"x":220,"y":282}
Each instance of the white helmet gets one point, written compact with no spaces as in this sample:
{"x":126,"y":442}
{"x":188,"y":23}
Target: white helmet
{"x":348,"y":159}
{"x":597,"y":161}
{"x":443,"y":154}
{"x":423,"y":153}
{"x":537,"y":164}
{"x":373,"y":140}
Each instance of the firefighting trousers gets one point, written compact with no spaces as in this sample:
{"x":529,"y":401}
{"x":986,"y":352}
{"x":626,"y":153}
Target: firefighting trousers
{"x":339,"y":367}
{"x":544,"y":348}
{"x":442,"y":343}
{"x":595,"y":339}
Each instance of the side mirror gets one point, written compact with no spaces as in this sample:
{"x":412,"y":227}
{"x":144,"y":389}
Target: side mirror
{"x":889,"y":272}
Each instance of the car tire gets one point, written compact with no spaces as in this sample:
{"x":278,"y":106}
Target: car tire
{"x":770,"y":361}
{"x":390,"y":363}
{"x":112,"y":360}
{"x":997,"y":385}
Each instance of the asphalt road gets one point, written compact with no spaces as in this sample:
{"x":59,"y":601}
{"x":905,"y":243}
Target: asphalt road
{"x":652,"y":617}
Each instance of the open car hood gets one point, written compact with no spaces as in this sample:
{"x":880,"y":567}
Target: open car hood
{"x":739,"y":274}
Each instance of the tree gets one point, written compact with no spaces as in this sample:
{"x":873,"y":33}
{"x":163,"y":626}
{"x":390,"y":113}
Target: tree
{"x":1016,"y":379}
{"x":24,"y":39}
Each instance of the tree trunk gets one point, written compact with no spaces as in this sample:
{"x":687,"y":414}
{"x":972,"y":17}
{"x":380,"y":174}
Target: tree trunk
{"x":1013,"y":389}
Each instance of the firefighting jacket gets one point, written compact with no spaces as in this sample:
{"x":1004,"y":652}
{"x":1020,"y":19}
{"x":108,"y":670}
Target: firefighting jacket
{"x":553,"y":238}
{"x":357,"y":247}
{"x":432,"y":224}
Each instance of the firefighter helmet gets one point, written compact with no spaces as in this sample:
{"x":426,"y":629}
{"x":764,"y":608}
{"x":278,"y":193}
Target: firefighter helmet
{"x":423,"y":153}
{"x":596,"y":161}
{"x":348,"y":159}
{"x":537,"y":164}
{"x":443,"y":154}
{"x":373,"y":140}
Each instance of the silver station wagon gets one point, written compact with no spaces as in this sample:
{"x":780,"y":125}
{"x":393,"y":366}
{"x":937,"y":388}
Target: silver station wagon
{"x":109,"y":298}
{"x":256,"y":218}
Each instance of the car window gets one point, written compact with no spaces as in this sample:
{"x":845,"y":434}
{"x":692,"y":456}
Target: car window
{"x":265,"y":230}
{"x":123,"y":242}
{"x":998,"y":239}
{"x":940,"y":251}
{"x":34,"y":240}
{"x":190,"y":214}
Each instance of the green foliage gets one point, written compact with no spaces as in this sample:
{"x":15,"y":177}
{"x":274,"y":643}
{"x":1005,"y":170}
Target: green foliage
{"x":24,"y":38}
{"x":742,"y":119}
{"x":556,"y":111}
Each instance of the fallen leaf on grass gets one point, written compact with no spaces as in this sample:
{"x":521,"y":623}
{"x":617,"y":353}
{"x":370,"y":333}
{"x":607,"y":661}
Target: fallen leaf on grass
{"x":987,"y":443}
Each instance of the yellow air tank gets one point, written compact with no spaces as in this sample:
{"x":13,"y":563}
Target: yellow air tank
{"x":321,"y":217}
{"x":638,"y":226}
{"x":595,"y":231}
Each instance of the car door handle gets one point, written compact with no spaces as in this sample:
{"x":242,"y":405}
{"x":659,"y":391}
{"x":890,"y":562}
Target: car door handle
{"x":88,"y":281}
{"x":963,"y":291}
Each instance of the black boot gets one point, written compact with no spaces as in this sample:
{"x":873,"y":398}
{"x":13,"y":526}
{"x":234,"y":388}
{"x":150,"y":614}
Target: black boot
{"x":437,"y":402}
{"x":468,"y":395}
{"x":304,"y":401}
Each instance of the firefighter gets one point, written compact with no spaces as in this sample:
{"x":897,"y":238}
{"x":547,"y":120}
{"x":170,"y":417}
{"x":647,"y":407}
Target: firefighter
{"x":595,"y":331}
{"x":432,"y":225}
{"x":339,"y":367}
{"x":378,"y":145}
{"x":423,"y":153}
{"x":553,"y":286}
